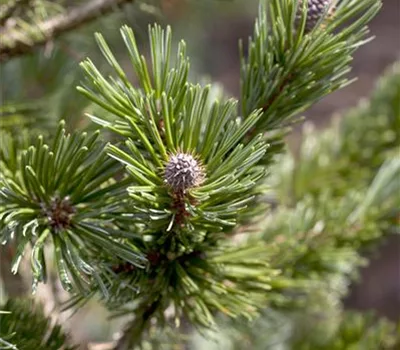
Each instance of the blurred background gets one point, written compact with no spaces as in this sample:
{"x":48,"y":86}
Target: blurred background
{"x":211,"y":30}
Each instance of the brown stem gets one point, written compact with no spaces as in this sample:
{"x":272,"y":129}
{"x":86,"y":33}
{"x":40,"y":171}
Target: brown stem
{"x":135,"y":329}
{"x":16,"y":43}
{"x":269,"y":102}
{"x":278,"y":91}
{"x":180,"y":208}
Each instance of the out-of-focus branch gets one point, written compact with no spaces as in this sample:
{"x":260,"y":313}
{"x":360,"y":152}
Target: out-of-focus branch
{"x":133,"y":331}
{"x":7,"y":10}
{"x":16,"y":42}
{"x":101,"y":346}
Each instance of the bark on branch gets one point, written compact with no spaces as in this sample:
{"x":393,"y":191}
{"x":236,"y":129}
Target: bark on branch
{"x":15,"y":42}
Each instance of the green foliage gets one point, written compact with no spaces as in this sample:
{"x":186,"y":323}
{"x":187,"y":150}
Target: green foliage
{"x":317,"y":235}
{"x":275,"y":330}
{"x":25,"y":15}
{"x":15,"y":116}
{"x":167,"y":115}
{"x":349,"y":154}
{"x":317,"y":241}
{"x":23,"y":326}
{"x":10,"y":146}
{"x":357,"y":331}
{"x":304,"y":228}
{"x":214,"y":139}
{"x":286,"y":69}
{"x":311,"y":249}
{"x":163,"y":254}
{"x":53,"y":191}
{"x":38,"y":87}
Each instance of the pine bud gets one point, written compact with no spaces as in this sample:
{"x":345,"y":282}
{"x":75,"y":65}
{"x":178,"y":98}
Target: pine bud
{"x":316,"y":9}
{"x":58,"y":213}
{"x":182,"y":172}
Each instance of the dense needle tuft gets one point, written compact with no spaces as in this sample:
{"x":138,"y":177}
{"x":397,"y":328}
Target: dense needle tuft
{"x":182,"y":172}
{"x":316,"y":9}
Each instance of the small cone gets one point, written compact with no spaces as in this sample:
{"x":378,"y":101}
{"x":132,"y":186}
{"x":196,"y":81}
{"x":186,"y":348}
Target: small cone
{"x":182,"y":172}
{"x":315,"y":11}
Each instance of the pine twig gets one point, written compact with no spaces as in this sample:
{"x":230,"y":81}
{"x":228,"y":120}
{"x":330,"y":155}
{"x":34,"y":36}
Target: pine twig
{"x":133,"y":332}
{"x":19,"y":43}
{"x":8,"y":10}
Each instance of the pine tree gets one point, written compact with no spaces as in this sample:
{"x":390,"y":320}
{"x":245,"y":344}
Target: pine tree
{"x":181,"y":208}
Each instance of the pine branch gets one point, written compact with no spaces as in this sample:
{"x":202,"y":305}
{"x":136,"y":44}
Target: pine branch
{"x":193,"y":178}
{"x":194,"y":169}
{"x":292,"y":60}
{"x":354,"y":169}
{"x":25,"y":326}
{"x":7,"y":10}
{"x":306,"y":330}
{"x":355,"y":330}
{"x":52,"y":192}
{"x":320,"y":234}
{"x":135,"y":330}
{"x":13,"y":116}
{"x":318,"y":240}
{"x":17,"y":42}
{"x":349,"y":153}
